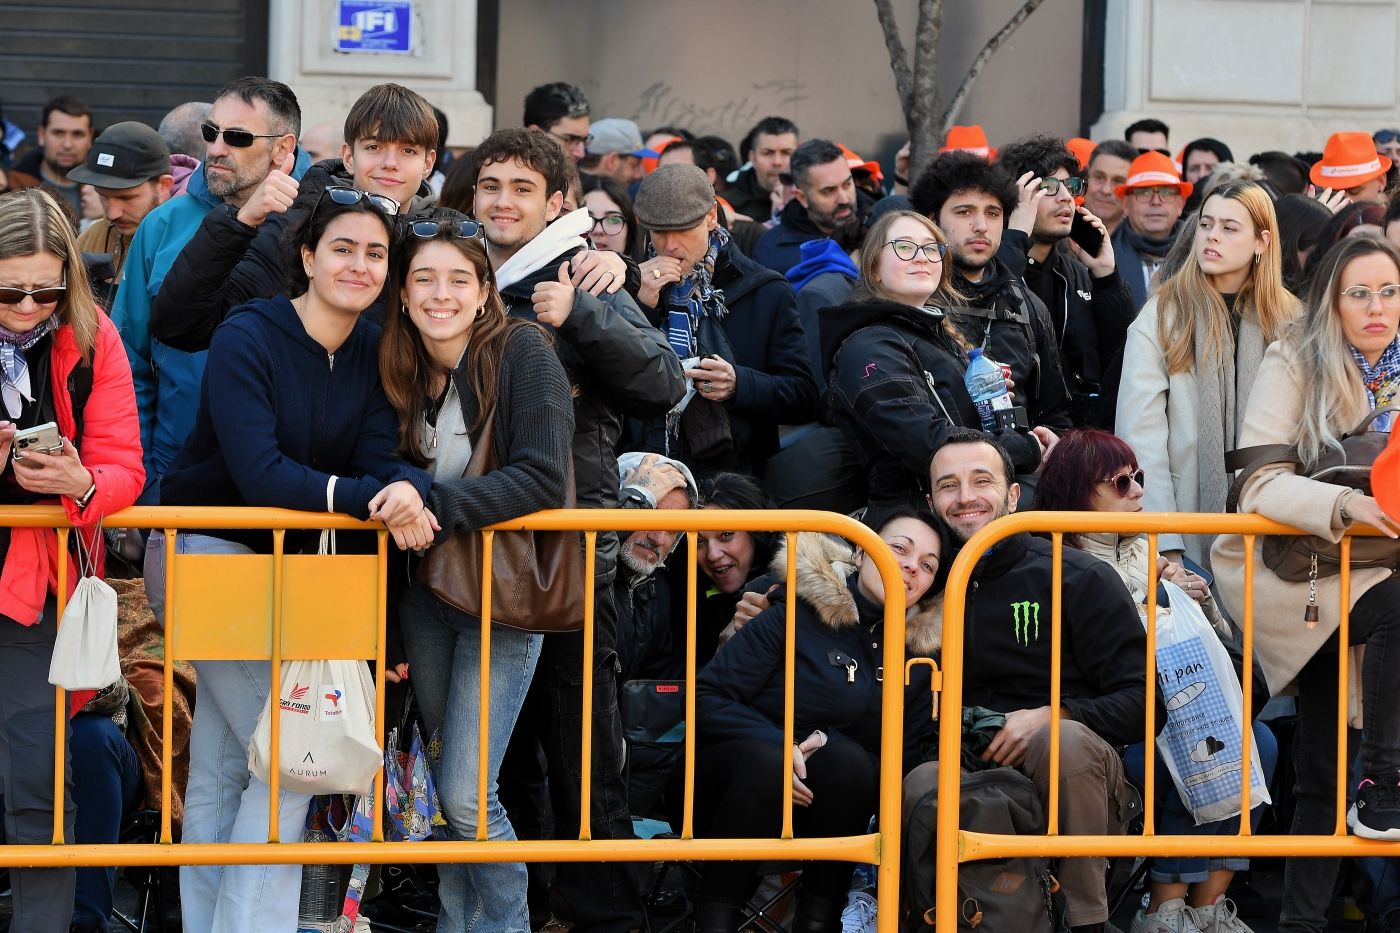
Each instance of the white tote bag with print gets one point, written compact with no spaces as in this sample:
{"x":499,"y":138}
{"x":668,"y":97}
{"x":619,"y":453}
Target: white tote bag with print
{"x":85,"y":651}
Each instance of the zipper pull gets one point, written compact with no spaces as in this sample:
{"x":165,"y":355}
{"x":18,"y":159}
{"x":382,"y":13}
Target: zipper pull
{"x":330,"y":357}
{"x":851,"y":671}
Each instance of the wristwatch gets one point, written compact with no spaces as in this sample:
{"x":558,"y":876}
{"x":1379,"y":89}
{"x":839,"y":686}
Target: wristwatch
{"x":1342,"y":512}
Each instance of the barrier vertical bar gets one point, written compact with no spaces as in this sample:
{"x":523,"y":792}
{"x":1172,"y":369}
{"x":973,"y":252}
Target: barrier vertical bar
{"x":483,"y":750}
{"x":590,"y":558}
{"x":381,"y":600}
{"x":1057,"y":555}
{"x":60,"y":701}
{"x":889,"y":824}
{"x":789,"y":666}
{"x":167,"y":712}
{"x":688,"y":802}
{"x":1149,"y":740}
{"x":1343,"y":693}
{"x":1247,"y":668}
{"x":274,"y":697}
{"x":947,"y":840}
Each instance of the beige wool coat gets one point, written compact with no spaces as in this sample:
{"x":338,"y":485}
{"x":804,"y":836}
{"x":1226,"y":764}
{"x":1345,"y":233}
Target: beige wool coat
{"x":1282,"y":640}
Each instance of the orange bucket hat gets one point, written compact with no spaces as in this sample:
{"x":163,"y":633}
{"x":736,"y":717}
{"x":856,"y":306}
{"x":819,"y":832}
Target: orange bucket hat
{"x":971,"y":139}
{"x":1349,"y":160}
{"x":1153,"y":170}
{"x":1082,"y":148}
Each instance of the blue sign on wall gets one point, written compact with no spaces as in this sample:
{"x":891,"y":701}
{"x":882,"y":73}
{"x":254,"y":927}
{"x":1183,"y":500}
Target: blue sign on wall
{"x":375,"y":26}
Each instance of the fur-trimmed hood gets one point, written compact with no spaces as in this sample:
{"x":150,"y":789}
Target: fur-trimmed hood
{"x":824,"y":568}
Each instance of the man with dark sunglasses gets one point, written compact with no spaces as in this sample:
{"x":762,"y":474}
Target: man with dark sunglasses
{"x":1089,"y":305}
{"x":238,"y":254}
{"x":265,"y":115}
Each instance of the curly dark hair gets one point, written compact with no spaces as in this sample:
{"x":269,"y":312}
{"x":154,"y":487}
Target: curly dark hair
{"x":958,"y":171}
{"x":532,"y":148}
{"x":1043,"y":155}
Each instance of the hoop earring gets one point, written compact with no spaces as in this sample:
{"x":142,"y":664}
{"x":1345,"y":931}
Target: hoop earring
{"x":405,"y":308}
{"x":1258,"y":257}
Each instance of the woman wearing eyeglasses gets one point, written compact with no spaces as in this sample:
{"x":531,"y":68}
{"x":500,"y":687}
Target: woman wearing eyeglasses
{"x":452,"y":362}
{"x":896,"y":363}
{"x":1094,"y":471}
{"x":61,"y":362}
{"x":292,"y":415}
{"x":1338,"y":363}
{"x":615,"y":224}
{"x":1192,"y":354}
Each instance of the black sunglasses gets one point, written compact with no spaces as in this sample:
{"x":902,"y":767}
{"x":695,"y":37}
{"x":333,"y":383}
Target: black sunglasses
{"x":345,"y":195}
{"x":461,"y":229}
{"x":1123,"y":482}
{"x":42,"y":296}
{"x":238,"y":139}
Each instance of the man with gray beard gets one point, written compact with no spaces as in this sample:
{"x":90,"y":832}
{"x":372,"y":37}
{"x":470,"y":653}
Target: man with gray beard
{"x":252,"y":128}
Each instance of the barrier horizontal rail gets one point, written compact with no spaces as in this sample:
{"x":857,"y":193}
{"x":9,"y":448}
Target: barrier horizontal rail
{"x":880,"y":848}
{"x":955,"y":846}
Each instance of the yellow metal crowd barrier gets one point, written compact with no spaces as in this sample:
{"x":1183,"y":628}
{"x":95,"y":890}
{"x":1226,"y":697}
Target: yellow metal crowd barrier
{"x":275,"y":607}
{"x":955,"y":846}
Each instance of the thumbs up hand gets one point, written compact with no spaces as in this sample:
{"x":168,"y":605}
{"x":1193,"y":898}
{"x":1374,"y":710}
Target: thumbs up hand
{"x":276,"y":193}
{"x":554,"y":300}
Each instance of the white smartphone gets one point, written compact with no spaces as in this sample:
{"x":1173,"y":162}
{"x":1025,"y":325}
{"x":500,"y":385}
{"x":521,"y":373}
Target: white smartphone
{"x":42,"y":437}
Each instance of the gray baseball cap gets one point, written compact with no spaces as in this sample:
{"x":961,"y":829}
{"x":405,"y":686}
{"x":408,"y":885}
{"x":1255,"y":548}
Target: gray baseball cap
{"x":614,"y":134}
{"x":124,"y":156}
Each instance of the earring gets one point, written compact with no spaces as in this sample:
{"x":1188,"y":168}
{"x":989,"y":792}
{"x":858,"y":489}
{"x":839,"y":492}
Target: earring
{"x":1257,"y":257}
{"x":405,"y":308}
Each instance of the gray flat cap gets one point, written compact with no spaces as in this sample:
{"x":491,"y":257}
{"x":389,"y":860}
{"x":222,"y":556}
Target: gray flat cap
{"x":674,"y":197}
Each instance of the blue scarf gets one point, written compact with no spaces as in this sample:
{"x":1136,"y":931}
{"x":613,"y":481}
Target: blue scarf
{"x":693,"y":298}
{"x":1382,"y":382}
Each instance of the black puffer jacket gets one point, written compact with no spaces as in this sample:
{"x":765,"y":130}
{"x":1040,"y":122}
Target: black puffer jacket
{"x":896,"y":389}
{"x":619,"y":365}
{"x":228,"y":263}
{"x":838,"y":674}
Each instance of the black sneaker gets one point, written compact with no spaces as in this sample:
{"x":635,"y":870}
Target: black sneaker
{"x":1376,"y":812}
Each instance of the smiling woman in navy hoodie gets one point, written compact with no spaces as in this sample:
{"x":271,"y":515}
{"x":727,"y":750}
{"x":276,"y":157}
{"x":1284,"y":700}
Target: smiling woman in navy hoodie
{"x":292,"y":415}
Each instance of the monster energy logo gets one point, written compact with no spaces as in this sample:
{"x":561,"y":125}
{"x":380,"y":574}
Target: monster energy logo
{"x":1023,"y":616}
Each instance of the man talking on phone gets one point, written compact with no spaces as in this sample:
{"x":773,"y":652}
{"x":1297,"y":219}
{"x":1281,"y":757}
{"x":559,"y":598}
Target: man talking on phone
{"x":1069,"y":264}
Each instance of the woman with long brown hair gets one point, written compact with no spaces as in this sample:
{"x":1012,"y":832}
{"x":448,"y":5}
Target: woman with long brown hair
{"x":452,"y":362}
{"x":1191,"y":356}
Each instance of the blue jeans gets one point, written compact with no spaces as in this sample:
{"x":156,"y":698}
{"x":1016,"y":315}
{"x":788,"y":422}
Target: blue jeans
{"x":1174,"y":819}
{"x":444,"y":655}
{"x":223,"y":801}
{"x":104,"y":787}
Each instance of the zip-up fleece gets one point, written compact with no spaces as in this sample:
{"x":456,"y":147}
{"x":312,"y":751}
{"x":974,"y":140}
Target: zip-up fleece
{"x":278,"y":416}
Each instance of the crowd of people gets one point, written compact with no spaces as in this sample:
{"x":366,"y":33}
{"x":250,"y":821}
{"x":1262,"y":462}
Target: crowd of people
{"x":234,"y":310}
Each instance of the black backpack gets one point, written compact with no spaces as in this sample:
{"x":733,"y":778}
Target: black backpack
{"x":1014,"y":894}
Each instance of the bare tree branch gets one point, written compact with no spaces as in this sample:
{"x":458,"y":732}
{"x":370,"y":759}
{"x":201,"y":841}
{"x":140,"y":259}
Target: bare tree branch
{"x":899,"y":58}
{"x":980,"y":62}
{"x":925,"y":89}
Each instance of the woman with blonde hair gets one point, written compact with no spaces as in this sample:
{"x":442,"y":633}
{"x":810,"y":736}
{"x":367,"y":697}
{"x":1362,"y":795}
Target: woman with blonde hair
{"x":1336,"y":365}
{"x":1192,"y":354}
{"x":896,"y":362}
{"x":63,"y":365}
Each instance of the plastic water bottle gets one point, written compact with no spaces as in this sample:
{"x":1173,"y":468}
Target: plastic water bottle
{"x":321,"y":899}
{"x":987,"y":387}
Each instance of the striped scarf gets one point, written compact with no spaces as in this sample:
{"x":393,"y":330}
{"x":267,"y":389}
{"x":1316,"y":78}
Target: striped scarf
{"x":693,"y":298}
{"x":14,"y":370}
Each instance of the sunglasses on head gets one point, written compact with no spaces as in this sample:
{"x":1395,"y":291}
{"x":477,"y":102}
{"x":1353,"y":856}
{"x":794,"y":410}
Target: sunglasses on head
{"x":1386,"y":136}
{"x":238,"y":139}
{"x":1074,"y":184}
{"x":48,"y":295}
{"x":461,"y":229}
{"x":1123,"y":482}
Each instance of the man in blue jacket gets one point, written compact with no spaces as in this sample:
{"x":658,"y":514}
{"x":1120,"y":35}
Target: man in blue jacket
{"x":254,"y":125}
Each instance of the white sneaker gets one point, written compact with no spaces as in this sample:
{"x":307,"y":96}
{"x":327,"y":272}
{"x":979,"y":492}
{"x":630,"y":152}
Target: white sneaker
{"x":859,"y":913}
{"x":1172,"y":916}
{"x":1220,"y":917}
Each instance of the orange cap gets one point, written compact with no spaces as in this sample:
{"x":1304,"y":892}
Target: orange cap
{"x":1082,"y":148}
{"x":857,"y":164}
{"x":971,"y":139}
{"x":649,"y":163}
{"x":1348,"y":161}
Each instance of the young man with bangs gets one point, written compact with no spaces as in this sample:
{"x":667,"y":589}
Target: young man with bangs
{"x":236,"y":255}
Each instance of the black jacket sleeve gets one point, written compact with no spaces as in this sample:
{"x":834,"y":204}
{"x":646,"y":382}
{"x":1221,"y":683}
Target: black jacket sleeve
{"x":1108,"y":645}
{"x":783,"y":390}
{"x":225,"y":264}
{"x":726,"y":688}
{"x":625,"y":353}
{"x":1050,"y":407}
